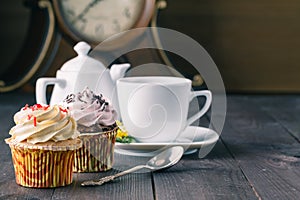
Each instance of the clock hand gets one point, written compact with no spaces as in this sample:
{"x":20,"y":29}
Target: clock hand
{"x":85,"y":10}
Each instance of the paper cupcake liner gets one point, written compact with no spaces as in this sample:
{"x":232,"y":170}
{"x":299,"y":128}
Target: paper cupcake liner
{"x":97,"y":152}
{"x":42,"y":168}
{"x":43,"y":165}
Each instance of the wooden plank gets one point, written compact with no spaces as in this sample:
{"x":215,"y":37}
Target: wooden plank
{"x":215,"y":177}
{"x":265,"y":151}
{"x":285,"y":110}
{"x":133,"y":186}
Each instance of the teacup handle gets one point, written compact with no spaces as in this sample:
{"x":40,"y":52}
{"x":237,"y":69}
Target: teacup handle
{"x":41,"y":86}
{"x":204,"y":109}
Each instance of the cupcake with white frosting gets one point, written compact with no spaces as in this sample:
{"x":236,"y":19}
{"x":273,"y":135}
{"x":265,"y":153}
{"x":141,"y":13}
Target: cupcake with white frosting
{"x":96,"y":122}
{"x":43,"y":144}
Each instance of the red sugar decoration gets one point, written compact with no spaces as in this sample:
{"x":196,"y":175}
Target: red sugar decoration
{"x":36,"y":107}
{"x":34,"y":121}
{"x":25,"y":107}
{"x":63,"y":110}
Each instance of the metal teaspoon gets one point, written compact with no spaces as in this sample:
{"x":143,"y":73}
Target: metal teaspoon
{"x":166,"y":158}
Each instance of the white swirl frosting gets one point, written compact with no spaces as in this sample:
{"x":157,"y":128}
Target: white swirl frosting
{"x":37,"y":124}
{"x":89,"y":109}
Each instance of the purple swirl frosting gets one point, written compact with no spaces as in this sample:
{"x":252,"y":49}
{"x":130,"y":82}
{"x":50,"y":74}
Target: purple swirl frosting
{"x":89,"y":109}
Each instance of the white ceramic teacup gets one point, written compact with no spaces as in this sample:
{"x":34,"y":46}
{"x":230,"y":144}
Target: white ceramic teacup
{"x":155,"y":108}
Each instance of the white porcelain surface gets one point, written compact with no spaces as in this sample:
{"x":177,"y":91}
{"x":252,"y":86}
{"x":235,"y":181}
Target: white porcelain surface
{"x":78,"y":73}
{"x":195,"y":138}
{"x":155,"y":108}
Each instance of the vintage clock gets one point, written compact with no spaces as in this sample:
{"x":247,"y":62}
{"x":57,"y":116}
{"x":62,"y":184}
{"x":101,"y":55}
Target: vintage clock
{"x":92,"y":21}
{"x":95,"y":20}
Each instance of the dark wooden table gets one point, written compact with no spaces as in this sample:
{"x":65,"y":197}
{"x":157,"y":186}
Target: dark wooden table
{"x":257,"y":157}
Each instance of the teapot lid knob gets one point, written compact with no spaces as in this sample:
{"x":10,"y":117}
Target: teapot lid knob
{"x":83,"y":63}
{"x":82,"y":48}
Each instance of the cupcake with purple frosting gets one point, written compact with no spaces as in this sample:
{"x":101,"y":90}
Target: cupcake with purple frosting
{"x":96,"y":122}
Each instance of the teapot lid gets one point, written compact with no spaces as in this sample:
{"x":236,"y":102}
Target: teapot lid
{"x":83,"y":62}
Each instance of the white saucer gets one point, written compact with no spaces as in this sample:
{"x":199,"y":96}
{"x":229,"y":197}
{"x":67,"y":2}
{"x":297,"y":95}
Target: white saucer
{"x":194,"y":138}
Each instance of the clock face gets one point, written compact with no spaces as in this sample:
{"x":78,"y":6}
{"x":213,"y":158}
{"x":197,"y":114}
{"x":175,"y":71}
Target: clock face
{"x":96,"y":20}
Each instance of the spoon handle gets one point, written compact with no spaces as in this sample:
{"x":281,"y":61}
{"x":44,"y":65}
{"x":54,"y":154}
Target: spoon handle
{"x":112,"y":177}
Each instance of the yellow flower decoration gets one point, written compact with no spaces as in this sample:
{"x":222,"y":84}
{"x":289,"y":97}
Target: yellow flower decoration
{"x":122,"y":134}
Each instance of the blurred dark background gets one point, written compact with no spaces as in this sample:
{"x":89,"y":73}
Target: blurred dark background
{"x":255,"y":44}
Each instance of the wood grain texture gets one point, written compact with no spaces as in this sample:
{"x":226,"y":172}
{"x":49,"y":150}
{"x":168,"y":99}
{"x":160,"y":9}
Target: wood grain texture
{"x":265,"y":151}
{"x":287,"y":113}
{"x":217,"y":176}
{"x":133,"y":186}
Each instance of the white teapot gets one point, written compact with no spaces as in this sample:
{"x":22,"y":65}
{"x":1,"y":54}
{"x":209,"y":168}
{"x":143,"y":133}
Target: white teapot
{"x":78,"y":73}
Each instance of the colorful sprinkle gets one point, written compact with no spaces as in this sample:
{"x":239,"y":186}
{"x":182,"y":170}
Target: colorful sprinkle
{"x":29,"y":117}
{"x":63,"y":110}
{"x":34,"y":121}
{"x":46,"y":107}
{"x":25,"y":107}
